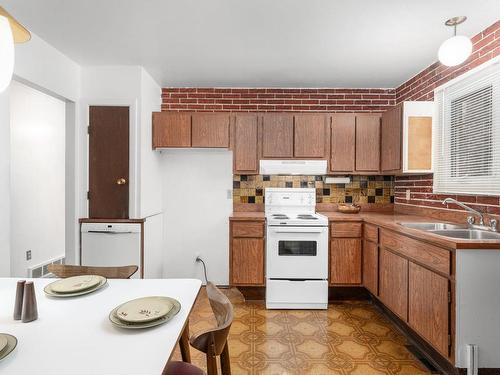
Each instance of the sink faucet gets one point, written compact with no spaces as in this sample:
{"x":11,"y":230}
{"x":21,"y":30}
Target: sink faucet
{"x":470,"y":219}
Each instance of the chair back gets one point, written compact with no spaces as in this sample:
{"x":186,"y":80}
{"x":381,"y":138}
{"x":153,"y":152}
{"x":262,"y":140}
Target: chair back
{"x":214,"y":340}
{"x":64,"y":270}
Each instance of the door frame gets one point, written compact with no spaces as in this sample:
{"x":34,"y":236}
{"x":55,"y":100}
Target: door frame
{"x":133,"y":150}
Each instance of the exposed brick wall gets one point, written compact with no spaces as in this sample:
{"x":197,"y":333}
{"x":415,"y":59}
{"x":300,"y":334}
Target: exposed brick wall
{"x":277,"y":100}
{"x":486,"y":45}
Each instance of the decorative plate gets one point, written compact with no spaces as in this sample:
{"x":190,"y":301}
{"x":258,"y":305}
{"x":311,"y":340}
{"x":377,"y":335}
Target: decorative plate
{"x":3,"y":342}
{"x":120,"y":323}
{"x":146,"y":309}
{"x":11,"y":345}
{"x":48,"y":290}
{"x":75,"y":284}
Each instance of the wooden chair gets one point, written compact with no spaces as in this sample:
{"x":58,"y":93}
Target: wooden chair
{"x":63,"y":271}
{"x":182,"y":368}
{"x":213,"y":342}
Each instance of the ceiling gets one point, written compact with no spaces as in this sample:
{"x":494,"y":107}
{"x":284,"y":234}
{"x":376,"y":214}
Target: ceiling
{"x":255,"y":43}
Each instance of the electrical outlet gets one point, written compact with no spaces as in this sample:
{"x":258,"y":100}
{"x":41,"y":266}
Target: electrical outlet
{"x":229,"y":194}
{"x":28,"y":255}
{"x":408,"y":194}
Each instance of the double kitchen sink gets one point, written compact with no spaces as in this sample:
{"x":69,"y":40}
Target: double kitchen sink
{"x":463,"y":232}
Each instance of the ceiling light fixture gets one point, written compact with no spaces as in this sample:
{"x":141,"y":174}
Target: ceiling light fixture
{"x":11,"y":32}
{"x":456,"y":49}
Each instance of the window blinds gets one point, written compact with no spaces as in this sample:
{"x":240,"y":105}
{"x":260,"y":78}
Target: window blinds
{"x":467,"y":135}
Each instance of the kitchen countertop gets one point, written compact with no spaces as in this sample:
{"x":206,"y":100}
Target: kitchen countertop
{"x":391,"y":221}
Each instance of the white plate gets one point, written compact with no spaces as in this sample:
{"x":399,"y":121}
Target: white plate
{"x":145,"y":309}
{"x":48,"y":290}
{"x":119,"y":323}
{"x":75,"y":284}
{"x":11,"y":345}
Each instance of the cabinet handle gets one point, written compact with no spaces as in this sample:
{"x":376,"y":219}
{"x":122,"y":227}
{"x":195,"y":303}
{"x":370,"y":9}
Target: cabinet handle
{"x":121,"y":181}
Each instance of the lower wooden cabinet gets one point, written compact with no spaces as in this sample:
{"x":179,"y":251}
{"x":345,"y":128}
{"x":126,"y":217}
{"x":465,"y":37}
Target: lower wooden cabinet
{"x":345,"y":261}
{"x":247,"y":249}
{"x":370,"y":266}
{"x":393,"y":282}
{"x":428,"y":306}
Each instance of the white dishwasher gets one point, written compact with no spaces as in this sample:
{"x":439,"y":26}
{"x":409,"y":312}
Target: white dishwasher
{"x":111,"y":245}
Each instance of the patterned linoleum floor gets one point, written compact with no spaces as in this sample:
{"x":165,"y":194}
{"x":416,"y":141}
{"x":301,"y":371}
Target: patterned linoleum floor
{"x":348,"y":338}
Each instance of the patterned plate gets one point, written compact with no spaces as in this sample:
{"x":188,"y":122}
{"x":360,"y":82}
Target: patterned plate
{"x":48,"y":290}
{"x":11,"y":345}
{"x":146,"y":309}
{"x":119,"y":323}
{"x":3,"y":342}
{"x":75,"y":284}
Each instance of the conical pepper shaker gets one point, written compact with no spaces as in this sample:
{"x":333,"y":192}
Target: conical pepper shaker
{"x":18,"y":304}
{"x":30,"y":310}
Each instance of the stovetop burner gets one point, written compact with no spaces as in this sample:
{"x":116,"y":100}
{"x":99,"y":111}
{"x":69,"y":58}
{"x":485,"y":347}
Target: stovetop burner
{"x":280,"y":216}
{"x":307,"y":217}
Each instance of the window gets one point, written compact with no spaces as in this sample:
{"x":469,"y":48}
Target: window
{"x":467,"y":142}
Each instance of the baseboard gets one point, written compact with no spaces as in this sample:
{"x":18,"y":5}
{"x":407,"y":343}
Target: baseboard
{"x":481,"y":371}
{"x":335,"y":293}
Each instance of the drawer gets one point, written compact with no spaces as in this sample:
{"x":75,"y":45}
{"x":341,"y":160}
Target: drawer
{"x":428,"y":255}
{"x":345,"y":230}
{"x":370,"y":233}
{"x":253,"y":229}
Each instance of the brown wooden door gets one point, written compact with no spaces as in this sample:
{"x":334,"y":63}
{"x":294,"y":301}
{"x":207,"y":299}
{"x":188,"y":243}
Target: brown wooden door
{"x":247,"y":261}
{"x":367,"y":143}
{"x":393,"y":282}
{"x":391,"y":129}
{"x":210,"y":130}
{"x":370,"y":266}
{"x":245,"y":146}
{"x":345,"y":261}
{"x":171,"y":129}
{"x":428,"y":306}
{"x":343,"y":143}
{"x":108,"y":162}
{"x":310,"y":136}
{"x":277,"y":135}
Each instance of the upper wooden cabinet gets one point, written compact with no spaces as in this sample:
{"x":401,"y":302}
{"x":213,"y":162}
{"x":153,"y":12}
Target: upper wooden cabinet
{"x":367,"y":143}
{"x":277,"y":135}
{"x":343,"y":142}
{"x":407,"y":138}
{"x":171,"y":129}
{"x":245,"y":144}
{"x":310,"y":135}
{"x":210,"y":130}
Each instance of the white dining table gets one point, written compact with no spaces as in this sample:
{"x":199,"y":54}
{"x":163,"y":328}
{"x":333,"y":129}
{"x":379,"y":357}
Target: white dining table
{"x":74,"y":335}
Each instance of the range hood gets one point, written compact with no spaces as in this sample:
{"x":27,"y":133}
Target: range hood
{"x":293,"y":167}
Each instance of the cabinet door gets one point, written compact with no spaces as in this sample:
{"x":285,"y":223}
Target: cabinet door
{"x":368,"y":143}
{"x":343,"y":143}
{"x":345,"y":261}
{"x":245,"y":149}
{"x":310,"y":136}
{"x":393,"y":282}
{"x":171,"y":129}
{"x":247,"y":261}
{"x":428,"y":306}
{"x":210,"y":130}
{"x":277,"y":135}
{"x":391,"y":128}
{"x":370,"y":266}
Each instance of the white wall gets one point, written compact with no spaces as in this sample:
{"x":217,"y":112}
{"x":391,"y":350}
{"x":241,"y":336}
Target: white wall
{"x":37,"y":181}
{"x":4,"y":185}
{"x":196,"y":212}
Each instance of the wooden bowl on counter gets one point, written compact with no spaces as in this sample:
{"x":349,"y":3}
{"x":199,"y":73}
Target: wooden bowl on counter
{"x":348,"y":208}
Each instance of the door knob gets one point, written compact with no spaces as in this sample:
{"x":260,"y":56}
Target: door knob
{"x":121,"y":181}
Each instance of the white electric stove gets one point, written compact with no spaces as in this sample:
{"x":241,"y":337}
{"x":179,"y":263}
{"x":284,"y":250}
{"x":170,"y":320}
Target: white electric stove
{"x":296,"y":250}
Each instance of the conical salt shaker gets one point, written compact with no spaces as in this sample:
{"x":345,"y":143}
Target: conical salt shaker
{"x":30,"y":310}
{"x":18,"y":304}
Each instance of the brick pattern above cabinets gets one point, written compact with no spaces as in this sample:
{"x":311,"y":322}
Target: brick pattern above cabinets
{"x":277,"y":99}
{"x":362,"y":189}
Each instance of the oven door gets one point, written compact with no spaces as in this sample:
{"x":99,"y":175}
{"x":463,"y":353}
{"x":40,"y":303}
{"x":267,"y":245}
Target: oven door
{"x":297,"y":253}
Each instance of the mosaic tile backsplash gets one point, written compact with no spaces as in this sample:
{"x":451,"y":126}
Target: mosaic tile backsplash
{"x":361,"y":189}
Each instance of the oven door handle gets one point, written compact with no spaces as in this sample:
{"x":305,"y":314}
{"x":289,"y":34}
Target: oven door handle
{"x":302,"y":230}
